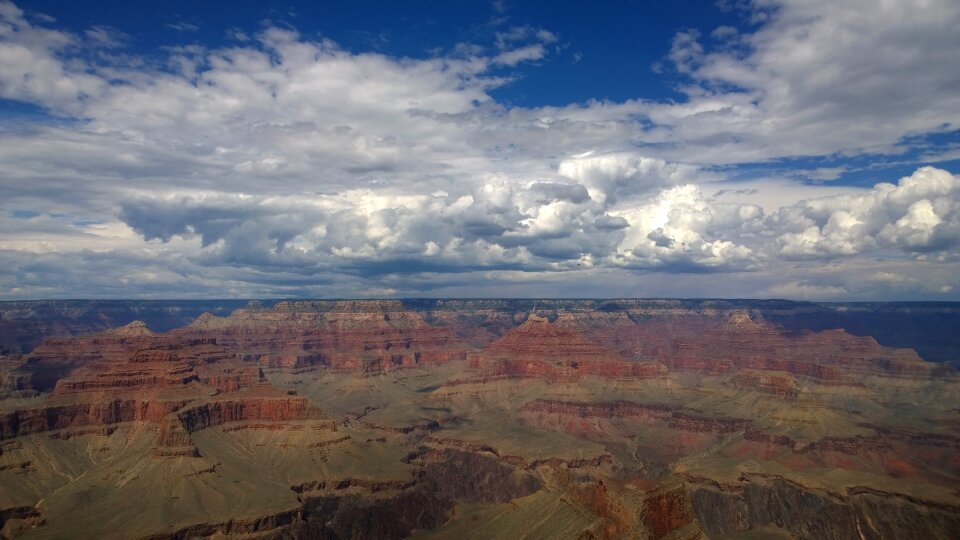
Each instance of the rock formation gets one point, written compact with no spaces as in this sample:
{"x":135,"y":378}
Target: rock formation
{"x":539,"y":348}
{"x":458,"y":418}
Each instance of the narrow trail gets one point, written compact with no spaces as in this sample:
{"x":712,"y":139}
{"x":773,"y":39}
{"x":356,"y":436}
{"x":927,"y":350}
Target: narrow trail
{"x":72,"y":481}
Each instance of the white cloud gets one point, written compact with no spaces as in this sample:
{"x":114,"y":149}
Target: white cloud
{"x":818,"y":77}
{"x":806,"y":291}
{"x":525,"y":54}
{"x":609,"y":177}
{"x":507,"y":38}
{"x":825,"y":174}
{"x":31,"y":69}
{"x":183,"y":26}
{"x":106,"y":36}
{"x":919,"y":214}
{"x":282,"y":165}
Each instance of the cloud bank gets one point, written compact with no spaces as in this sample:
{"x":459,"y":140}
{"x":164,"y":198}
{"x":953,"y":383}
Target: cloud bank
{"x":288,"y":166}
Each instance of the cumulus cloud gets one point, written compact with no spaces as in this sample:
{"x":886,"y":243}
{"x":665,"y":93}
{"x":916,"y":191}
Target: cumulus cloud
{"x":919,"y":214}
{"x":817,"y":77}
{"x":552,"y":226}
{"x":610,"y":177}
{"x":283,"y":165}
{"x":680,"y":230}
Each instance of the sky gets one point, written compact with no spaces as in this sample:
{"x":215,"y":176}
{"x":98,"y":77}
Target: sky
{"x":801,"y":149}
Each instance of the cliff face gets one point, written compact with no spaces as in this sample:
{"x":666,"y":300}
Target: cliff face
{"x":247,"y":411}
{"x":131,"y":374}
{"x":367,"y":337}
{"x":375,"y":337}
{"x":570,"y":347}
{"x":728,"y":341}
{"x":928,"y":327}
{"x":126,"y":358}
{"x":54,"y":417}
{"x":539,"y":348}
{"x":447,"y":478}
{"x":855,"y":514}
{"x":273,"y":409}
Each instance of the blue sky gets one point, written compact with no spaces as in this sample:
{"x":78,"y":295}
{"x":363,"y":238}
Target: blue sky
{"x":764,"y":148}
{"x":607,"y":49}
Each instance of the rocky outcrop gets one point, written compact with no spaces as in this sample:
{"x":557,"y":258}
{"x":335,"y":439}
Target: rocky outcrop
{"x":516,"y":461}
{"x":362,"y":518}
{"x":251,"y":412}
{"x":277,"y":522}
{"x":49,"y":418}
{"x":134,"y":329}
{"x":368,"y":337}
{"x":666,"y":510}
{"x":758,"y":500}
{"x":706,"y":424}
{"x":539,"y":348}
{"x":372,"y":337}
{"x":668,"y":415}
{"x":471,"y":476}
{"x":131,"y":359}
{"x":927,"y":327}
{"x":154,"y":361}
{"x":723,"y":341}
{"x":227,"y":353}
{"x":860,"y":444}
{"x":424,"y":503}
{"x":17,"y":518}
{"x":144,"y":376}
{"x":373,"y":486}
{"x":425,"y":425}
{"x":782,"y":385}
{"x":603,"y":409}
{"x":639,"y":347}
{"x":280,"y":409}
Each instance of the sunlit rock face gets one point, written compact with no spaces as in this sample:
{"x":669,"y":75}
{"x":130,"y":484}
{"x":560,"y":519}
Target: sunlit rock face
{"x":480,"y":418}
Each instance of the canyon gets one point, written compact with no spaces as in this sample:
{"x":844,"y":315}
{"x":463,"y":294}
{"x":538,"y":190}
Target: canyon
{"x":675,"y":419}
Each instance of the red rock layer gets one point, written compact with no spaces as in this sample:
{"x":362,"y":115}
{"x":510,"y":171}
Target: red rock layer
{"x":53,"y":417}
{"x":163,"y":362}
{"x":667,"y":414}
{"x":539,"y":348}
{"x":899,"y":454}
{"x":132,"y":358}
{"x":703,"y":424}
{"x":205,"y":415}
{"x":255,"y":411}
{"x":666,"y":510}
{"x":164,"y":379}
{"x":369,"y":337}
{"x":724,"y":342}
{"x":844,"y":445}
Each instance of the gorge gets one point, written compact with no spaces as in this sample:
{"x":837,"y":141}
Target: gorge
{"x":478,"y":419}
